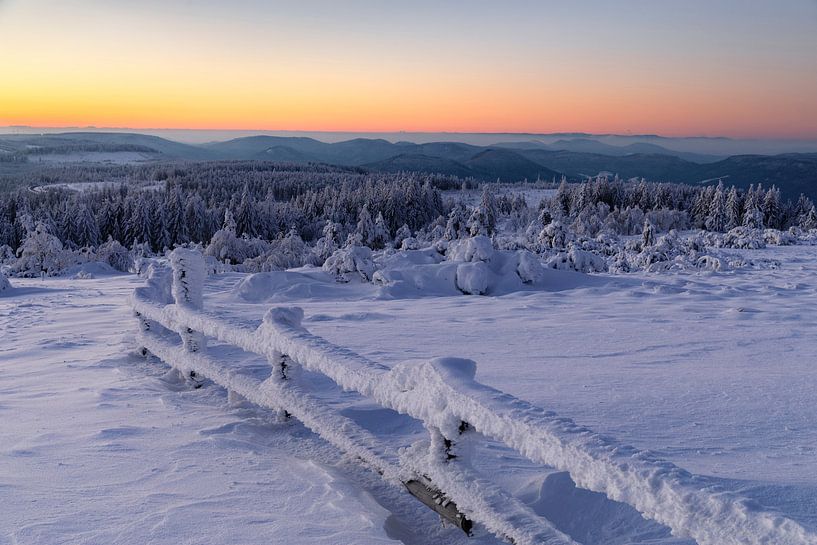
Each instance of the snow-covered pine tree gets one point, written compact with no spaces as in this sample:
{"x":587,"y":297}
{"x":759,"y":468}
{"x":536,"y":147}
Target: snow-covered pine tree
{"x":488,"y":205}
{"x":246,"y":218}
{"x":562,"y":198}
{"x":402,"y":234}
{"x":381,"y":236}
{"x":801,"y":208}
{"x":753,"y":218}
{"x":771,"y":208}
{"x":85,"y":231}
{"x":700,"y":207}
{"x":545,"y":217}
{"x":455,"y":226}
{"x":716,"y":219}
{"x":734,"y":209}
{"x":809,"y":220}
{"x":365,"y":226}
{"x":175,"y":221}
{"x":329,"y":242}
{"x":229,"y":223}
{"x":195,"y":218}
{"x":482,"y":220}
{"x":139,"y":223}
{"x":647,"y":234}
{"x":159,"y":237}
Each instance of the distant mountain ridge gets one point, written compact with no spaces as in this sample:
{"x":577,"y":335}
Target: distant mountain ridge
{"x":576,"y":158}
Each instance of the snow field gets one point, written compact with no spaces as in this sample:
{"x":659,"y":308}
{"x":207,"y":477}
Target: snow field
{"x":442,"y":393}
{"x":98,"y":446}
{"x":710,"y":370}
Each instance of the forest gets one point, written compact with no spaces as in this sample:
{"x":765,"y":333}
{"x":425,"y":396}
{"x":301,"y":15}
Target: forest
{"x":264,"y":216}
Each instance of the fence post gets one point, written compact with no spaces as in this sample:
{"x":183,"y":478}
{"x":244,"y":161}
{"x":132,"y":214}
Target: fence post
{"x":283,"y":368}
{"x":444,"y":448}
{"x":187,"y":290}
{"x":159,"y":283}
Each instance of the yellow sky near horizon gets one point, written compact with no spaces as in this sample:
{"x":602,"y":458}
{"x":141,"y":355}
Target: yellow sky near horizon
{"x":252,"y":66}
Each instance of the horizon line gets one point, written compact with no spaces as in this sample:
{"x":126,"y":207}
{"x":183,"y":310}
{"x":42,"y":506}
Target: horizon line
{"x":77,"y":128}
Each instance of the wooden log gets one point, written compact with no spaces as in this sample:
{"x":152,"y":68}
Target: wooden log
{"x":441,"y":505}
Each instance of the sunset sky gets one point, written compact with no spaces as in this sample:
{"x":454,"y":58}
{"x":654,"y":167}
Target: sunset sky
{"x":743,"y":68}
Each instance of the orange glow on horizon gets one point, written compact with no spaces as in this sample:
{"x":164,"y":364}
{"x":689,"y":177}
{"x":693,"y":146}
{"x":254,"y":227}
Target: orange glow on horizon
{"x":139,"y":66}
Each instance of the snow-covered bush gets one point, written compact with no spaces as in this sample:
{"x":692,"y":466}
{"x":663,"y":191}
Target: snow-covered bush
{"x":350,"y":262}
{"x":664,"y":219}
{"x":115,"y":255}
{"x":478,"y":248}
{"x":5,"y":285}
{"x":410,"y":243}
{"x":6,"y":254}
{"x":711,"y":263}
{"x":578,"y":260}
{"x":666,"y":248}
{"x":226,"y":246}
{"x":42,"y":253}
{"x":747,"y":238}
{"x":472,"y":277}
{"x":778,"y":238}
{"x":554,"y":235}
{"x":213,"y":266}
{"x":619,"y":263}
{"x":284,"y":253}
{"x":529,"y":268}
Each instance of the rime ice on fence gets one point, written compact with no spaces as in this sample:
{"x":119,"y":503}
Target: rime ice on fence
{"x":188,"y":277}
{"x":443,"y":394}
{"x":188,"y":283}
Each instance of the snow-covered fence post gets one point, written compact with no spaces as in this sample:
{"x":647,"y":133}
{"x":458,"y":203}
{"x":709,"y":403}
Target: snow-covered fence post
{"x":187,"y":290}
{"x":157,"y":282}
{"x":444,"y":448}
{"x":188,"y":280}
{"x":144,"y":327}
{"x":282,"y":365}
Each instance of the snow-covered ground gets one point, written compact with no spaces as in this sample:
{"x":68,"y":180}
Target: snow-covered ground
{"x":98,"y":447}
{"x":109,"y":157}
{"x":711,"y":371}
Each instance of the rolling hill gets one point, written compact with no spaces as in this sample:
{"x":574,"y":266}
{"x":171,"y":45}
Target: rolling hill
{"x":793,"y":173}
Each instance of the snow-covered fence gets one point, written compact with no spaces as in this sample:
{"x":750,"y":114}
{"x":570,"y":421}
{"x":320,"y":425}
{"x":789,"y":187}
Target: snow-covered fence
{"x":456,"y":409}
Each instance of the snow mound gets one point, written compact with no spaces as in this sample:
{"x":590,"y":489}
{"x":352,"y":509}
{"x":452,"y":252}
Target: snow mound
{"x":591,"y":517}
{"x":296,"y":285}
{"x":472,"y":267}
{"x":409,"y":281}
{"x":472,"y":278}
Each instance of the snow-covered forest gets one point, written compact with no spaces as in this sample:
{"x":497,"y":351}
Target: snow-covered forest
{"x":259,"y":217}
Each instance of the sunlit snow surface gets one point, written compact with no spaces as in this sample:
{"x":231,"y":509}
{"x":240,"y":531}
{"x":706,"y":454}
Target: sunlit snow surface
{"x":712,"y":371}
